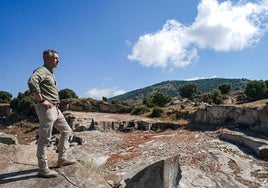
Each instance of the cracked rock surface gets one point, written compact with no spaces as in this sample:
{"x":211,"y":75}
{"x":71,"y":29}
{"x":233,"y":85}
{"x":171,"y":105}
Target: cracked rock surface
{"x":106,"y":159}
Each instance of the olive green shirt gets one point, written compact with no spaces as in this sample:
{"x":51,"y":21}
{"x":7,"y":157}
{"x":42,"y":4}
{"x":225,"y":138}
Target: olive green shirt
{"x":43,"y":81}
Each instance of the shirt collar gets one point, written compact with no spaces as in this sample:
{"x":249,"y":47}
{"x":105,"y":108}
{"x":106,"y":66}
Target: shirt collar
{"x":45,"y":65}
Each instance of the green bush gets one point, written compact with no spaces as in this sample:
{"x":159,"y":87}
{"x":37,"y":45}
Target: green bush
{"x":256,"y":90}
{"x":188,"y":90}
{"x":67,"y":94}
{"x":157,"y":112}
{"x":104,"y":99}
{"x":157,"y":99}
{"x":148,"y":102}
{"x":5,"y":97}
{"x":24,"y":104}
{"x":225,"y":88}
{"x":217,"y":97}
{"x":140,"y":110}
{"x":266,"y":82}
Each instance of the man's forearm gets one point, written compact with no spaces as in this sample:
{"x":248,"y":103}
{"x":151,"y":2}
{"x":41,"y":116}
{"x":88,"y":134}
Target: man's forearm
{"x":38,"y":96}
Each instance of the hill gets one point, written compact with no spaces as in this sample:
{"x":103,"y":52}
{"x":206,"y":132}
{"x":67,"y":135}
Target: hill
{"x":172,"y":88}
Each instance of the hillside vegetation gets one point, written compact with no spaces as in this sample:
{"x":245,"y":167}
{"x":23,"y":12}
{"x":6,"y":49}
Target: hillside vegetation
{"x":171,"y":88}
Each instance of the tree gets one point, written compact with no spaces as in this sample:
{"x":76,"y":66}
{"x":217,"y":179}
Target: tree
{"x":67,"y":94}
{"x":161,"y":99}
{"x":225,"y":88}
{"x":256,"y":90}
{"x":5,"y":97}
{"x":266,"y":82}
{"x":24,"y":104}
{"x":104,"y":99}
{"x":266,"y":92}
{"x":217,"y":97}
{"x":148,"y":102}
{"x":188,"y":90}
{"x":157,"y":99}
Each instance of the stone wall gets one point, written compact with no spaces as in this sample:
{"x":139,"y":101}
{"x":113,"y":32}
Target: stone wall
{"x":253,"y":118}
{"x":256,"y":145}
{"x":85,"y":124}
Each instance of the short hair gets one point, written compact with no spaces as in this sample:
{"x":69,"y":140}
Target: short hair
{"x":48,"y":53}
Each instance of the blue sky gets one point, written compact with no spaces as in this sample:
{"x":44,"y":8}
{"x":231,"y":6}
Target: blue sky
{"x":109,"y":47}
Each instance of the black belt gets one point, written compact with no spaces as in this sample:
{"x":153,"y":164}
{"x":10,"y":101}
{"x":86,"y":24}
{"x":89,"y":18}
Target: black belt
{"x":55,"y":104}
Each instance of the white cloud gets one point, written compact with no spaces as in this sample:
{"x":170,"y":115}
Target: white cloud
{"x":199,"y":78}
{"x":220,"y":26}
{"x":96,"y":93}
{"x":167,"y":46}
{"x":225,"y":27}
{"x":119,"y":92}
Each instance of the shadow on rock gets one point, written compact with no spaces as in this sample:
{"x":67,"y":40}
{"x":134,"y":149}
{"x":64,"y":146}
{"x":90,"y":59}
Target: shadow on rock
{"x":18,"y":176}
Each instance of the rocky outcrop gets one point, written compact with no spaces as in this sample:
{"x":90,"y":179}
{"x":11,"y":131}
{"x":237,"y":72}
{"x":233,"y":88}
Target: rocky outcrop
{"x":111,"y":122}
{"x":167,"y":159}
{"x":19,"y":169}
{"x":81,"y":121}
{"x":253,"y":118}
{"x":171,"y":158}
{"x":257,"y":145}
{"x":91,"y":105}
{"x":165,"y":173}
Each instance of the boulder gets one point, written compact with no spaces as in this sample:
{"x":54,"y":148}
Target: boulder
{"x":165,"y":173}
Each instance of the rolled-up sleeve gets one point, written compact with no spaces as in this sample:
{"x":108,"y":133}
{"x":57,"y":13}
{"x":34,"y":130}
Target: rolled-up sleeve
{"x":43,"y":81}
{"x":35,"y":80}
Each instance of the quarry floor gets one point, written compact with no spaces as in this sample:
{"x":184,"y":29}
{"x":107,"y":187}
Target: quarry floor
{"x":106,"y":157}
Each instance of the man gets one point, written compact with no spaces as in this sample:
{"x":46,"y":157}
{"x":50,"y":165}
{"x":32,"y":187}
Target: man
{"x":42,"y":84}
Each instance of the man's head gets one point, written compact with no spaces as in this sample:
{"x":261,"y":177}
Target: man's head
{"x":51,"y":58}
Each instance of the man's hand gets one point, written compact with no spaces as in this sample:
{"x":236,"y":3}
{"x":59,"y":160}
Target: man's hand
{"x":39,"y":98}
{"x":47,"y":104}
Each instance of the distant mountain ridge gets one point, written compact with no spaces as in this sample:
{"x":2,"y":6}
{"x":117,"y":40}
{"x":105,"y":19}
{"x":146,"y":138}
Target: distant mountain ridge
{"x":171,"y":88}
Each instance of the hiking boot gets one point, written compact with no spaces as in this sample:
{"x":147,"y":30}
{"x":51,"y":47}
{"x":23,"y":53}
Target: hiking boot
{"x":47,"y":173}
{"x":65,"y":162}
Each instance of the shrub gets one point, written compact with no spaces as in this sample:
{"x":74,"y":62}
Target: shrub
{"x":24,"y":104}
{"x":140,"y":110}
{"x":188,"y":90}
{"x":217,"y":97}
{"x":5,"y":97}
{"x":104,"y":99}
{"x":157,"y":99}
{"x":256,"y":90}
{"x":148,"y":102}
{"x":225,"y":88}
{"x":157,"y":112}
{"x":67,"y":94}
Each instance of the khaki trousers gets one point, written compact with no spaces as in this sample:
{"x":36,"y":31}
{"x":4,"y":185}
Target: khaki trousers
{"x":49,"y":117}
